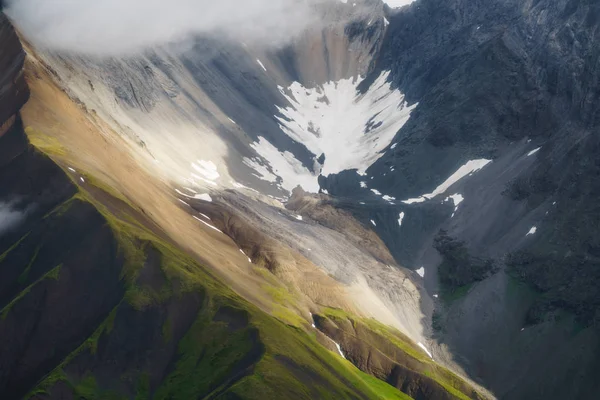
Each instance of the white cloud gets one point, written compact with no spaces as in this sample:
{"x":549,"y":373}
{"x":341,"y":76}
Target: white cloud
{"x":397,"y":3}
{"x":9,"y":217}
{"x":114,"y":27}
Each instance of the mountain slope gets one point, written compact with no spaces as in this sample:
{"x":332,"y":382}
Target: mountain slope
{"x":100,"y":301}
{"x":446,"y":153}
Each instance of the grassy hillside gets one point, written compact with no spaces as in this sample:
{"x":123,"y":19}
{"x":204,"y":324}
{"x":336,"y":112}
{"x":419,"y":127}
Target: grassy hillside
{"x":389,"y":355}
{"x":104,"y":306}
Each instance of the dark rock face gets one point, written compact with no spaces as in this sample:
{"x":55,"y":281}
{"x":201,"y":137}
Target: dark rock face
{"x":14,"y":92}
{"x":496,"y":80}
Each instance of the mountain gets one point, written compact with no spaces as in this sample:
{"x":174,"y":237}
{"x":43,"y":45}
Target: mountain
{"x":398,"y":203}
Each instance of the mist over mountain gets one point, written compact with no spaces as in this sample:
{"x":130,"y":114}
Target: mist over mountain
{"x":116,"y":27}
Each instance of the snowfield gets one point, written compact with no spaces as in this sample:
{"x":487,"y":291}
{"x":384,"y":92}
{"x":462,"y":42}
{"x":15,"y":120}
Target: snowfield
{"x":351,"y":129}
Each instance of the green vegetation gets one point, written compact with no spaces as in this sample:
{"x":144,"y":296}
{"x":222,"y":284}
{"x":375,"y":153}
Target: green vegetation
{"x":45,"y":143}
{"x":459,"y":270}
{"x":23,"y":277}
{"x":53,"y":274}
{"x":11,"y":248}
{"x":249,"y":353}
{"x":378,"y":335}
{"x":451,"y":294}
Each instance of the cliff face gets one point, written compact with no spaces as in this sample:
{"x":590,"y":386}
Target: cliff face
{"x":515,"y":83}
{"x":97,"y":302}
{"x":13,"y":89}
{"x":509,"y":252}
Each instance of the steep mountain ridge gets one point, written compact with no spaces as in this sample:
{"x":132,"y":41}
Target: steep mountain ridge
{"x":487,"y":190}
{"x":90,"y":281}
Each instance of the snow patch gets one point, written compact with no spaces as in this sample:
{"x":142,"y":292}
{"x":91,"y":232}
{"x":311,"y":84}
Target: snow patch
{"x":363,"y":184}
{"x":351,"y":128}
{"x":532,"y":231}
{"x":415,"y":200}
{"x":456,"y":199}
{"x":377,"y":192}
{"x":400,"y":218}
{"x":261,"y":64}
{"x":421,"y":345}
{"x":421,"y":272}
{"x":204,"y":197}
{"x":249,"y":260}
{"x":373,"y":222}
{"x":339,"y":349}
{"x":184,"y":202}
{"x":71,"y":169}
{"x":207,"y":169}
{"x":207,"y":224}
{"x":470,"y":167}
{"x":298,"y":217}
{"x":312,"y":318}
{"x":532,"y":152}
{"x":284,"y":166}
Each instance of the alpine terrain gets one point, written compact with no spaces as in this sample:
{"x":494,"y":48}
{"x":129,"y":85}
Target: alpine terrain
{"x":316,"y":199}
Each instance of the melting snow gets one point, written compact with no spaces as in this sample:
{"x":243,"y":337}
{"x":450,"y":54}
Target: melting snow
{"x":456,"y":199}
{"x":207,"y":224}
{"x":421,"y":272}
{"x":184,"y":202}
{"x":312,"y":318}
{"x":206,"y":216}
{"x":415,"y":200}
{"x":71,"y":169}
{"x":298,"y":217}
{"x":324,"y":191}
{"x":532,"y":231}
{"x":363,"y":184}
{"x":388,"y":198}
{"x":261,"y":64}
{"x":339,"y":349}
{"x":400,"y":218}
{"x":377,"y":192}
{"x":373,"y":222}
{"x":532,"y":152}
{"x":468,"y":168}
{"x":334,"y":119}
{"x":421,"y":345}
{"x":249,"y":260}
{"x":82,"y":180}
{"x":385,"y":21}
{"x":232,"y":121}
{"x":207,"y":169}
{"x":284,"y":165}
{"x":204,"y":196}
{"x":435,"y":295}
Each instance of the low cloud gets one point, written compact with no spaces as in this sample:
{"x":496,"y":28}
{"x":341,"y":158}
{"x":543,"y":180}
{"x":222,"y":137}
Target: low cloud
{"x":115,"y":27}
{"x":9,"y":217}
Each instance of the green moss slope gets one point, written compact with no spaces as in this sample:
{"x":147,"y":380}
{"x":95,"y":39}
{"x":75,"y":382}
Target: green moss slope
{"x":231,"y":349}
